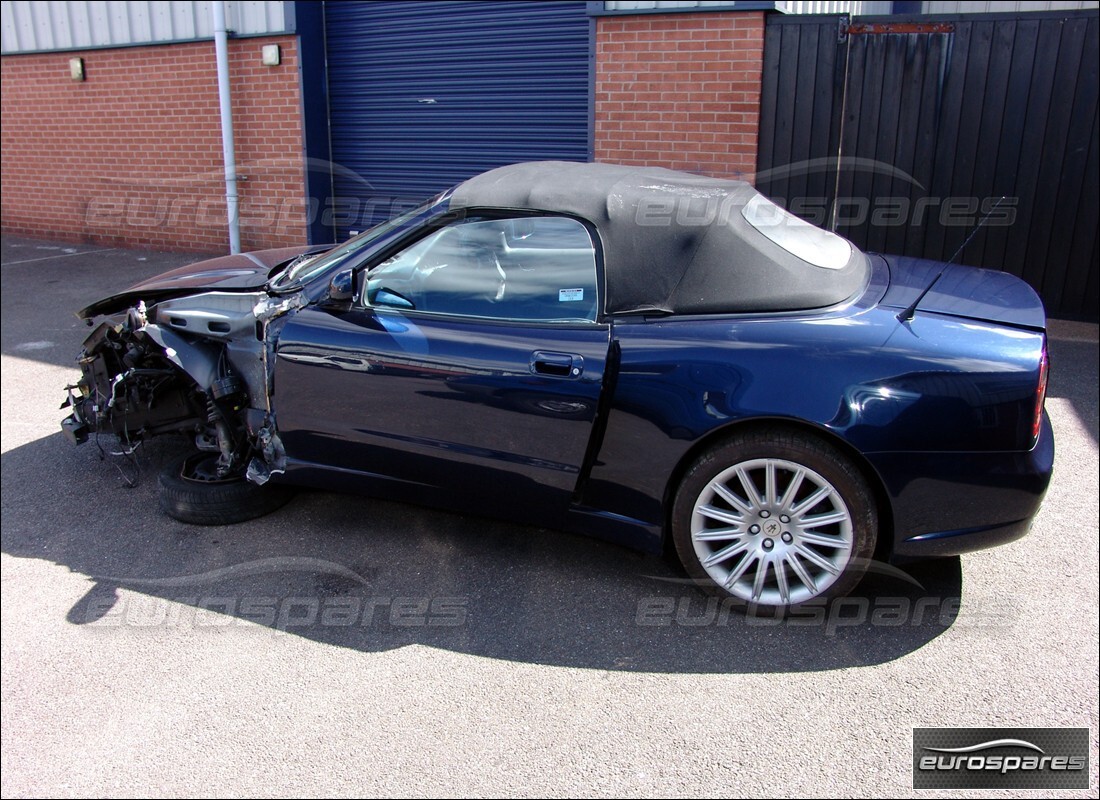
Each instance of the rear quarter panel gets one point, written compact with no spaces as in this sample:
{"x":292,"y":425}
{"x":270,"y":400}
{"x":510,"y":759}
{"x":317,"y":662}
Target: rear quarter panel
{"x":935,"y":385}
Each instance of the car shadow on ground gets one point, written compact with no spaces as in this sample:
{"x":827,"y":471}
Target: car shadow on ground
{"x":372,"y":575}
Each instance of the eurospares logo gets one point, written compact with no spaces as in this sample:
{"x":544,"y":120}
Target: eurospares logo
{"x":1000,"y":758}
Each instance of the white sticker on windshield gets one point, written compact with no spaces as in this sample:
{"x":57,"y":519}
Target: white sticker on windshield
{"x":570,"y":295}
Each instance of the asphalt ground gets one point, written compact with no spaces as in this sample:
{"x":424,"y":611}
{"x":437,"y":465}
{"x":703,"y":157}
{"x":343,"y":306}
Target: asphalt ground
{"x":349,"y":646}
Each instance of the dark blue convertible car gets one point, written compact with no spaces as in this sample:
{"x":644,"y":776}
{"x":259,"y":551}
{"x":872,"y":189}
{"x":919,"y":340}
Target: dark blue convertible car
{"x":659,"y":358}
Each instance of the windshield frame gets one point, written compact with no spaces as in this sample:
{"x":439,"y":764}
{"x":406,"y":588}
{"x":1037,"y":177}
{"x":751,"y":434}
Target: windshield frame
{"x":351,"y":253}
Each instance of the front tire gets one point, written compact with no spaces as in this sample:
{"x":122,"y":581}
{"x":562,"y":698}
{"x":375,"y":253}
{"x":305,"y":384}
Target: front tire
{"x":776,"y":519}
{"x":190,"y":493}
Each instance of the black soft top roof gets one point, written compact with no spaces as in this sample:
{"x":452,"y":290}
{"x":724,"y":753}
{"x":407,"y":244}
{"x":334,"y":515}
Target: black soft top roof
{"x":673,"y":242}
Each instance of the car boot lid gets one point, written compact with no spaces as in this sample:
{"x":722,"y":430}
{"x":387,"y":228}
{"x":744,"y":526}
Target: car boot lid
{"x":962,"y":291}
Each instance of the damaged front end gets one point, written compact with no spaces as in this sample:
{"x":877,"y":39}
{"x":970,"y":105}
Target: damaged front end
{"x":198,"y":366}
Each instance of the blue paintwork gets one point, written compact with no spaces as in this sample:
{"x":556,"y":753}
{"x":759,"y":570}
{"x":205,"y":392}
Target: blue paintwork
{"x":240,"y":272}
{"x":446,"y":403}
{"x":937,"y":411}
{"x":939,"y":396}
{"x":975,"y":293}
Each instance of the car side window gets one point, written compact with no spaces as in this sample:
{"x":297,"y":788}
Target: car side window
{"x":530,"y":269}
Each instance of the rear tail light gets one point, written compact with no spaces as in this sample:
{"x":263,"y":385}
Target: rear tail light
{"x":1040,"y":395}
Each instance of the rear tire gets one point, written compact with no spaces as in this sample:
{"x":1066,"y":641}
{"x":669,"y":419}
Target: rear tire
{"x":188,"y":498}
{"x":775,"y":519}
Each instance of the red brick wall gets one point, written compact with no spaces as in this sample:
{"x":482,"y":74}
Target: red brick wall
{"x":133,"y":155}
{"x":680,"y":91}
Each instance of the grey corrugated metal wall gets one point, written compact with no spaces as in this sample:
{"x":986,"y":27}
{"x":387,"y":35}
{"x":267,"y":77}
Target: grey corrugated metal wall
{"x":1008,"y":6}
{"x":28,"y":26}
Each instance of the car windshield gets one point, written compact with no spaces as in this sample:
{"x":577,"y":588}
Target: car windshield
{"x":307,"y":267}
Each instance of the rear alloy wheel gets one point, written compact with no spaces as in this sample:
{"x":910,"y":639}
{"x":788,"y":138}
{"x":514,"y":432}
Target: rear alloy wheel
{"x":191,"y":491}
{"x":775,"y":519}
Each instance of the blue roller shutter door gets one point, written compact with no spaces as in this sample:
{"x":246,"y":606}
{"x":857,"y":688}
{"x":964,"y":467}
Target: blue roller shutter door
{"x":425,"y":94}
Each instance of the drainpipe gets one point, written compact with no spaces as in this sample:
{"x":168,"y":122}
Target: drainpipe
{"x":221,"y":48}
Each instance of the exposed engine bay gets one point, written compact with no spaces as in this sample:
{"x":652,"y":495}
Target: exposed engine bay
{"x":199,"y":366}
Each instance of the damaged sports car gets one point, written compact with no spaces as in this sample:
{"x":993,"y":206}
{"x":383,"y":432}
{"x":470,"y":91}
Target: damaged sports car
{"x":666,"y":360}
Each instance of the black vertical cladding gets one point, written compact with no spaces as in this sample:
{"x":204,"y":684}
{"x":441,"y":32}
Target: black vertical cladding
{"x":1070,"y":174}
{"x":826,"y":102}
{"x":769,"y":116}
{"x":1040,"y":101}
{"x":949,"y":120}
{"x":851,"y":112}
{"x":908,"y":132}
{"x":1052,"y":155}
{"x":804,"y":114}
{"x":886,"y":141}
{"x":966,"y":108}
{"x":992,"y":121}
{"x":1006,"y":169}
{"x":802,"y":60}
{"x":1086,"y":235}
{"x":788,"y":85}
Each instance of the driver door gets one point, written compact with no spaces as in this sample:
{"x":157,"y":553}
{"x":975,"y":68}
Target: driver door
{"x":468,"y":371}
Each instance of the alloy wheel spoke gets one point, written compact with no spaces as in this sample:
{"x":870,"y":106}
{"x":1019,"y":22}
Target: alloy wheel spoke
{"x":800,"y":570}
{"x":737,"y":572}
{"x":727,"y":494}
{"x":817,"y":560}
{"x":760,"y":578}
{"x":818,"y":520}
{"x":719,"y":515}
{"x":781,"y":580}
{"x":747,"y":485}
{"x":792,"y":489}
{"x":769,"y":484}
{"x":806,"y":505}
{"x":725,"y":553}
{"x":718,"y":534}
{"x":822,"y":540}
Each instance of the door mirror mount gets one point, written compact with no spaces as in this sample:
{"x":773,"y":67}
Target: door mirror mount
{"x":341,"y":291}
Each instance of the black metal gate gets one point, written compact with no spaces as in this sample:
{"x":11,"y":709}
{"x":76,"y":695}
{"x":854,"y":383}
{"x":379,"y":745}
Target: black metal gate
{"x":902,"y":132}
